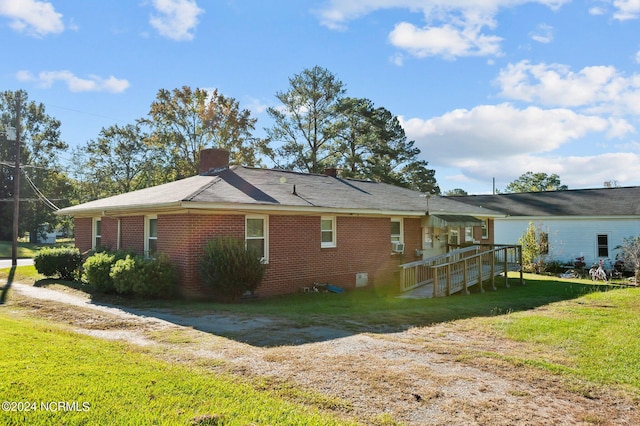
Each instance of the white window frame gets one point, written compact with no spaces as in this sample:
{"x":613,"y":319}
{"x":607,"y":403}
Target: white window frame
{"x":334,"y":239}
{"x":94,"y":232}
{"x":485,"y":229}
{"x":264,"y":237}
{"x":398,"y":238}
{"x":468,"y":234}
{"x":454,"y":232}
{"x":147,"y":234}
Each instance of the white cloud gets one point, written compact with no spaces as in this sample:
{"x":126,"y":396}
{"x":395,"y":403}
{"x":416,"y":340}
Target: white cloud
{"x":94,"y":83}
{"x":176,"y":19}
{"x":595,"y":88}
{"x":500,"y":132}
{"x":574,"y":171}
{"x":542,"y":34}
{"x":447,"y":40}
{"x":453,"y":27}
{"x":626,"y":9}
{"x":597,"y":11}
{"x":36,"y":18}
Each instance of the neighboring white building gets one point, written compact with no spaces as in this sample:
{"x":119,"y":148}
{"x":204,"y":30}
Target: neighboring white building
{"x":587,"y":223}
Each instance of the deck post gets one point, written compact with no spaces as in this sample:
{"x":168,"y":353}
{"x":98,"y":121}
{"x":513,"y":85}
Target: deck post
{"x":480,"y":273}
{"x":435,"y":281}
{"x":448,"y":279}
{"x":519,"y":249}
{"x":493,"y":269}
{"x":506,"y":267}
{"x":465,"y":277}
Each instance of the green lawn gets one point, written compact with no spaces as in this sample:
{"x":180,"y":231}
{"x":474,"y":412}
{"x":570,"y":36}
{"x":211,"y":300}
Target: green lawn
{"x":595,"y":337}
{"x":26,"y":250}
{"x":585,"y":332}
{"x":54,"y":376}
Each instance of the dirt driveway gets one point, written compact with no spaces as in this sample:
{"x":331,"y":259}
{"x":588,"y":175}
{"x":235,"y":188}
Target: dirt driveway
{"x":436,"y":375}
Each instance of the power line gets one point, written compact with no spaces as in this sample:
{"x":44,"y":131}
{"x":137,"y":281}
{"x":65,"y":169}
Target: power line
{"x":39,"y":193}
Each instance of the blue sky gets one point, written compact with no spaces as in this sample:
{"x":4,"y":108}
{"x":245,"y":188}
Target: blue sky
{"x":486,"y":88}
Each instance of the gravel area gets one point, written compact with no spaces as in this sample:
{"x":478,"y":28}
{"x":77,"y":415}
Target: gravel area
{"x":443,"y":374}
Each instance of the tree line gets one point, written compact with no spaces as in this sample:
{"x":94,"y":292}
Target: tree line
{"x":316,"y":126}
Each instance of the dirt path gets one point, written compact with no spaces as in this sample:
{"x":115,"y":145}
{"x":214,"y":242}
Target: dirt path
{"x":437,"y":375}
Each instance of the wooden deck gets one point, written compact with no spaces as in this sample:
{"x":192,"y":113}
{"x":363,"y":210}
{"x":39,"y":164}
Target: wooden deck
{"x":459,"y":270}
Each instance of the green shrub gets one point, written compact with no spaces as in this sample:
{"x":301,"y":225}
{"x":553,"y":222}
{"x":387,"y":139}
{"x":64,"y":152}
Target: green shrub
{"x":97,"y":268}
{"x":124,"y":273}
{"x":144,"y":277}
{"x":62,"y":262}
{"x":229,"y":269}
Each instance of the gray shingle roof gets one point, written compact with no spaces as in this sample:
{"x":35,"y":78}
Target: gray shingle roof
{"x":276,"y":189}
{"x":623,"y":201}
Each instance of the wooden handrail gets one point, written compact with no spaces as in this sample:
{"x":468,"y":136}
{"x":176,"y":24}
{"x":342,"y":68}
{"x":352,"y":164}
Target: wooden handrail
{"x":421,"y":272}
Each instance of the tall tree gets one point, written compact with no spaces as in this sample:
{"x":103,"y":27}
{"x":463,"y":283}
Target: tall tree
{"x":455,"y":191}
{"x":42,"y":178}
{"x":371,"y":144}
{"x":536,"y":182}
{"x":184,"y":121}
{"x":118,"y":161}
{"x":303,"y":125}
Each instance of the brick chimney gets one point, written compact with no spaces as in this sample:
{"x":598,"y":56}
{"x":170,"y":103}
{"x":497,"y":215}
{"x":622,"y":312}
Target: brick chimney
{"x":213,"y":159}
{"x":331,"y":171}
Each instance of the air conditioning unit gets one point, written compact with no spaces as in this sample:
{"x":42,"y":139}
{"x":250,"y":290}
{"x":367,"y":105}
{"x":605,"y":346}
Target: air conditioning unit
{"x":397,"y":247}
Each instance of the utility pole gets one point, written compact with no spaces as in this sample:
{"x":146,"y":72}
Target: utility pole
{"x":16,"y":185}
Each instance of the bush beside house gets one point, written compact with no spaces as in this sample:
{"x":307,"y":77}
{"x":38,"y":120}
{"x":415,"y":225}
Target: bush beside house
{"x":126,"y":274}
{"x":61,"y":262}
{"x":230,"y":269}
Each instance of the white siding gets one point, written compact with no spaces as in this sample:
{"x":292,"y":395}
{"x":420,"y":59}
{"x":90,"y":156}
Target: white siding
{"x":570,"y":238}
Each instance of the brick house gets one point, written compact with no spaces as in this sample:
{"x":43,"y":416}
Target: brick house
{"x":308,"y":227}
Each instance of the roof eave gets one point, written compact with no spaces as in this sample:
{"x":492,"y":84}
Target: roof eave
{"x":124,"y":210}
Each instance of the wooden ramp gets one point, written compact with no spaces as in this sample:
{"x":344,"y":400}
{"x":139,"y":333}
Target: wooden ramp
{"x":459,"y":270}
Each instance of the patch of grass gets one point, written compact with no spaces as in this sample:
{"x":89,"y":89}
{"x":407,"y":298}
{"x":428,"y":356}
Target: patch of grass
{"x":21,"y":274}
{"x":74,"y":379}
{"x":594,"y":337}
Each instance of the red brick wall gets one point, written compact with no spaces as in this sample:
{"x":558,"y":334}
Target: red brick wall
{"x":132,"y":233}
{"x":183,"y":238}
{"x":83,"y":232}
{"x":109,"y":229}
{"x":296,"y":258}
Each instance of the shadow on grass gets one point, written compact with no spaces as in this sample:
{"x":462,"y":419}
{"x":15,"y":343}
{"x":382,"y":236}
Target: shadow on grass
{"x":7,"y":286}
{"x":314,"y":317}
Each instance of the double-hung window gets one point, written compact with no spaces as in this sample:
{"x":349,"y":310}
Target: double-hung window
{"x":603,"y":245}
{"x":468,"y":234}
{"x":454,"y":236}
{"x":396,"y":231}
{"x":97,"y":233}
{"x":544,"y":242}
{"x":256,"y":236}
{"x":327,"y":231}
{"x":485,"y":229}
{"x":151,"y":236}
